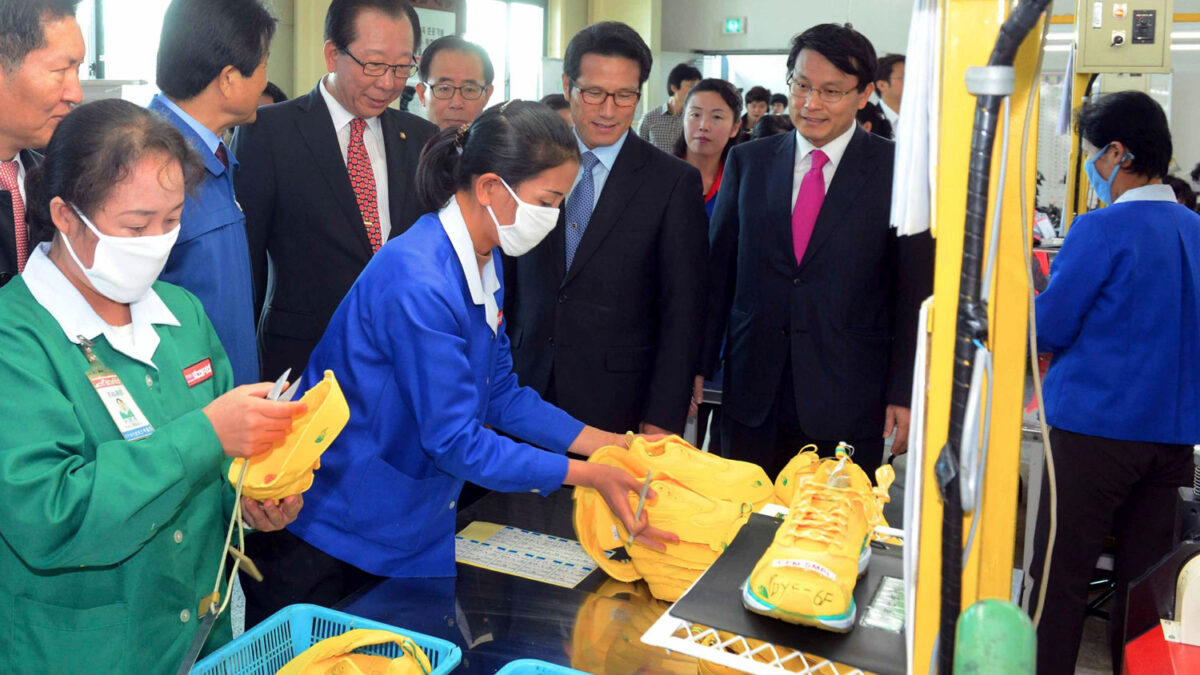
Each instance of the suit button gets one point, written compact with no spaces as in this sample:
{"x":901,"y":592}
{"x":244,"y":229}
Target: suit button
{"x":783,"y":331}
{"x":562,"y":298}
{"x":796,"y":283}
{"x":551,"y":342}
{"x":178,"y":536}
{"x":185,"y":616}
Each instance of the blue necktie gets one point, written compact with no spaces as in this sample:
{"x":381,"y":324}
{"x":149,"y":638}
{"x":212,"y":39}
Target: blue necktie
{"x":580,"y":205}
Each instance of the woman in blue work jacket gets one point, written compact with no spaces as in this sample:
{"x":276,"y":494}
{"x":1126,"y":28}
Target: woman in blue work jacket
{"x":1122,"y":317}
{"x":118,"y":414}
{"x":420,"y":350}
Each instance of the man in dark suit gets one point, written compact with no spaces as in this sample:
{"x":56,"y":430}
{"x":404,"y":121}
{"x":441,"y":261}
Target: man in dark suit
{"x":326,"y":178}
{"x":603,"y":313}
{"x":814,"y":294}
{"x":41,"y":49}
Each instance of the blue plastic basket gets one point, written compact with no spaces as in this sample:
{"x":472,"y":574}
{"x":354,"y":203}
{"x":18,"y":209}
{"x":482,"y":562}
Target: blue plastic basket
{"x":268,"y":646}
{"x":535,"y":667}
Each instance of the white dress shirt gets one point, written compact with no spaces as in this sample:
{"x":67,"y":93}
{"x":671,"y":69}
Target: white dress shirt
{"x":483,"y":283}
{"x":893,"y":116}
{"x":54,"y":292}
{"x":373,"y":140}
{"x":20,"y":176}
{"x":607,"y":156}
{"x":833,"y":150}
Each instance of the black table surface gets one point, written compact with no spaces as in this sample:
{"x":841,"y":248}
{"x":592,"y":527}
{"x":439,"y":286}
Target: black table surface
{"x":496,"y":618}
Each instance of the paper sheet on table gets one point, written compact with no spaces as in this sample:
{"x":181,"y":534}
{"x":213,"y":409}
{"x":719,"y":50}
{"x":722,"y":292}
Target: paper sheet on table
{"x":522,"y":553}
{"x":915,"y":174}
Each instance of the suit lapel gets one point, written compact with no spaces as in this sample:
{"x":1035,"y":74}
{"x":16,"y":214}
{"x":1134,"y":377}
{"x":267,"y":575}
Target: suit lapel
{"x":558,"y":247}
{"x":779,"y":197}
{"x":316,"y":128}
{"x":619,"y":190}
{"x":848,"y":181}
{"x":399,"y":161}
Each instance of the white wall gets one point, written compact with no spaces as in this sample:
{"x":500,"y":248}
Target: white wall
{"x":770,"y":24}
{"x":1185,"y":134}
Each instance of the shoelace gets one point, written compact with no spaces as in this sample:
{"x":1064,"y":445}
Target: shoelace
{"x":821,"y":514}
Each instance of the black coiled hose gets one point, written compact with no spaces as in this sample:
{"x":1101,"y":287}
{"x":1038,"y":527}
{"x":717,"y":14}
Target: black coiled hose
{"x":971,"y":323}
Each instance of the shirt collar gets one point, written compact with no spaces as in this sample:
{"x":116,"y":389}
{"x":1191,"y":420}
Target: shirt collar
{"x":341,"y":117}
{"x":1157,"y":192}
{"x":484,"y":283}
{"x":58,"y":296}
{"x":891,"y":115}
{"x":607,"y":154}
{"x":833,"y":149}
{"x":211,"y":140}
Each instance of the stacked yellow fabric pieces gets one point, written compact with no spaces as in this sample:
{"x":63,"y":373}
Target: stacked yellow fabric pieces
{"x":703,"y":498}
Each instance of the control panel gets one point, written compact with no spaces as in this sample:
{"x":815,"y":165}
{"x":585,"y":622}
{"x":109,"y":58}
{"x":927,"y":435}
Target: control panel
{"x":1123,"y":37}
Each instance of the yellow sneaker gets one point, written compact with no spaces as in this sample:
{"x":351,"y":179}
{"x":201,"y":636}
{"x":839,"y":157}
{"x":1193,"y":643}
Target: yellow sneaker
{"x":798,"y":469}
{"x":807,"y":575}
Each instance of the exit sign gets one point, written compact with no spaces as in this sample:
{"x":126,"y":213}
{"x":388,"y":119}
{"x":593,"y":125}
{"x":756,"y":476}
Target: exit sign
{"x":735,"y":25}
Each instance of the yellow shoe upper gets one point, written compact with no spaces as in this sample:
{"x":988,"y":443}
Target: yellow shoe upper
{"x":703,"y":499}
{"x":711,"y":475}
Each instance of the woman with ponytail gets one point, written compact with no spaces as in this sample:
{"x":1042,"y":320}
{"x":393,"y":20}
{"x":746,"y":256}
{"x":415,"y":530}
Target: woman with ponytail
{"x":420,"y":349}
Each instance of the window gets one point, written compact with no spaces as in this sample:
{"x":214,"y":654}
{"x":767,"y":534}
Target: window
{"x":516,"y":48}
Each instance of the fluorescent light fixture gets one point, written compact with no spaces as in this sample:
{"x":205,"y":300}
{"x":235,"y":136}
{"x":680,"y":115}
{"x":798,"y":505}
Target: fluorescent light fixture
{"x":1186,"y":48}
{"x":1060,"y":36}
{"x":1058,"y":48}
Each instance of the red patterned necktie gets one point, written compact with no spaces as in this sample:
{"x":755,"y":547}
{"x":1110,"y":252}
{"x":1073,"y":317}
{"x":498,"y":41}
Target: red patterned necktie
{"x":222,"y":155}
{"x":362,"y":179}
{"x":8,"y":180}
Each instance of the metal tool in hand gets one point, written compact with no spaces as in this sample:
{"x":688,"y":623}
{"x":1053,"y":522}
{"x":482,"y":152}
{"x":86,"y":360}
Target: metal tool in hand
{"x":210,"y":605}
{"x":637,"y":516}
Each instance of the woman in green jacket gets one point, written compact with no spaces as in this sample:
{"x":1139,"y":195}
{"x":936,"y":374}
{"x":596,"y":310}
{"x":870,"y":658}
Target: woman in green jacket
{"x":112,"y":520}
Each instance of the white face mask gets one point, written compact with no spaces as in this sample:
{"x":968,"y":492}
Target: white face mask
{"x":531,"y":226}
{"x":123,"y":268}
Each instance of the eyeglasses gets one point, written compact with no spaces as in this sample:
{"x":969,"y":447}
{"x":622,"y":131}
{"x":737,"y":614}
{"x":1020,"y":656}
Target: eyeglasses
{"x":375,"y":69}
{"x":445,"y":91}
{"x":804,"y":91}
{"x":597,"y":96}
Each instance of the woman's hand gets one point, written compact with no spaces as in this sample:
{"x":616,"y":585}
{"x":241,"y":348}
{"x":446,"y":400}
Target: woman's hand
{"x":270,"y":515}
{"x":247,"y":424}
{"x":615,"y":485}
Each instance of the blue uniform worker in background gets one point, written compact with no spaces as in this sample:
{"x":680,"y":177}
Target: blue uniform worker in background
{"x":1122,"y":317}
{"x":209,"y":86}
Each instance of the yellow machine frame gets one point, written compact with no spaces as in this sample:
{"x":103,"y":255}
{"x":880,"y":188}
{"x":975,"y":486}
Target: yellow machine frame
{"x":969,"y":28}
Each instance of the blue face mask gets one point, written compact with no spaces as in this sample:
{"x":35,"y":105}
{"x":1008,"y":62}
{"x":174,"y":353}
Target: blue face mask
{"x":1102,"y":187}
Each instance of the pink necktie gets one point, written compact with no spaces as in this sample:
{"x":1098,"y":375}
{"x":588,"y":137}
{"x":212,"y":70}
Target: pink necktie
{"x":8,"y":180}
{"x":808,"y":204}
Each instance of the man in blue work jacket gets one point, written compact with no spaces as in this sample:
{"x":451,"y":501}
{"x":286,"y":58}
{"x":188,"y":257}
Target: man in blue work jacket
{"x":209,"y":86}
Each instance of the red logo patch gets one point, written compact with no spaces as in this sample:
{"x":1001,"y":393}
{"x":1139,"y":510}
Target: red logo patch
{"x":198,"y":372}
